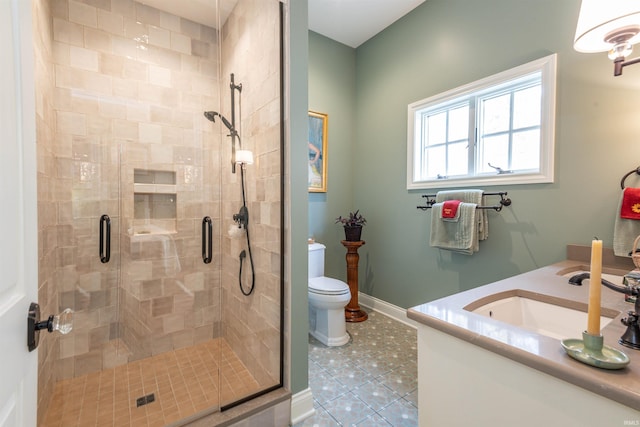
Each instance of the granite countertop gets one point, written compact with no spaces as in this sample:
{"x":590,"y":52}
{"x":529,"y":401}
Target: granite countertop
{"x":539,"y":351}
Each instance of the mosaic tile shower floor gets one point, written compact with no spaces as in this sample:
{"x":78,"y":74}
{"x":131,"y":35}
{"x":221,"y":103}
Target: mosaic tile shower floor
{"x":369,"y":382}
{"x":183,"y":382}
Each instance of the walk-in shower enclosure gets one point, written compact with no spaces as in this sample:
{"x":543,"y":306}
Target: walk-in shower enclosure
{"x":159,"y":335}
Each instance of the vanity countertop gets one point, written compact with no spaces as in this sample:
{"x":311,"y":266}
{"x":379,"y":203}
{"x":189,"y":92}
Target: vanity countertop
{"x":539,"y":351}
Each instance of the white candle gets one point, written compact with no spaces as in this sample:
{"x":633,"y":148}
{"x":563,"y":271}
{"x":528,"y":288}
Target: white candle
{"x":593,"y":323}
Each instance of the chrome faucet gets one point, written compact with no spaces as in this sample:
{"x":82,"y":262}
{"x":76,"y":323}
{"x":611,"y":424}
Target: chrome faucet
{"x":631,"y":337}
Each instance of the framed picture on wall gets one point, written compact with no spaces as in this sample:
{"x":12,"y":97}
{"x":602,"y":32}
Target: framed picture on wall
{"x":317,"y":152}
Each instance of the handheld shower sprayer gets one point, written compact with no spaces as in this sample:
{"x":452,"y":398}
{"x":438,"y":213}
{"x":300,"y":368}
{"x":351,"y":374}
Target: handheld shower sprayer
{"x":233,"y":133}
{"x":231,"y":125}
{"x":211,"y":116}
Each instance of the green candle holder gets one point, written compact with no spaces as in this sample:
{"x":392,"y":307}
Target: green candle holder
{"x":592,"y":351}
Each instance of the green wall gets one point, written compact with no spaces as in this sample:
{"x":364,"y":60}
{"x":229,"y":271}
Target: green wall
{"x":296,"y":220}
{"x":443,"y":44}
{"x":332,"y":91}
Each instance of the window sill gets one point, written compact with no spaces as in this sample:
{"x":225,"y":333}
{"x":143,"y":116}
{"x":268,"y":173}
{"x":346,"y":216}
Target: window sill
{"x":484,"y":181}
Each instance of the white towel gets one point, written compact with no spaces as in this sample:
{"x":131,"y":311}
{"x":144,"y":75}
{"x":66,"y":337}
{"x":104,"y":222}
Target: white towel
{"x":624,"y":232}
{"x":458,"y":236}
{"x":465,"y":196}
{"x":469,"y":196}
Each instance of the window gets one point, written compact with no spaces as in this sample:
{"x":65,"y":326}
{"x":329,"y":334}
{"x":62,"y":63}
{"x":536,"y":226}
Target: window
{"x":498,"y":130}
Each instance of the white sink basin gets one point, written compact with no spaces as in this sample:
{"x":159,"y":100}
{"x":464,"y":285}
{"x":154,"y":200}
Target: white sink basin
{"x":526,"y":310}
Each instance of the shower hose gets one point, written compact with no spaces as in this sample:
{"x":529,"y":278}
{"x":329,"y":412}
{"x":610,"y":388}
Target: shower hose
{"x":243,"y":254}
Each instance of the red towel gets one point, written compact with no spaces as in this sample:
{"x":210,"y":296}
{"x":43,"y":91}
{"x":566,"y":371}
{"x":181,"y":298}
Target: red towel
{"x":630,"y":203}
{"x":450,"y":208}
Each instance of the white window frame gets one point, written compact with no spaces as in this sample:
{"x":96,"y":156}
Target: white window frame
{"x":547,"y":67}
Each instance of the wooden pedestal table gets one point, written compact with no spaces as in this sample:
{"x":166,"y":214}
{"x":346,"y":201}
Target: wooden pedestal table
{"x":352,"y":312}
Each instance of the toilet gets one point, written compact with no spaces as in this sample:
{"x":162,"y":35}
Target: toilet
{"x":327,"y":299}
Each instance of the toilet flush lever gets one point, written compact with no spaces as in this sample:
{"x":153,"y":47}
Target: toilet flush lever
{"x":62,"y":323}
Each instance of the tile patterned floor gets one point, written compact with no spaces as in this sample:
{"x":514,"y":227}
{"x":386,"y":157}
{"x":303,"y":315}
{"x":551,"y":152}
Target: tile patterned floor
{"x":183,"y":382}
{"x":369,"y":382}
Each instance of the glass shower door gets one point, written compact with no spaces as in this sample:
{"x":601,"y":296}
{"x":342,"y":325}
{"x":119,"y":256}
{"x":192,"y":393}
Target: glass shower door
{"x":169,"y":306}
{"x":135,"y":152}
{"x":252,"y":310}
{"x":164,"y":325}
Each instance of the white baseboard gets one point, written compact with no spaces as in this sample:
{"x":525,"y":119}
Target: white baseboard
{"x":302,"y":406}
{"x":393,"y":311}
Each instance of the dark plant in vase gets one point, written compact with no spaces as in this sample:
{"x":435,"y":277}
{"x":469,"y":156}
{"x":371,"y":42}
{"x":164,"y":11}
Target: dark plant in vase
{"x":352,"y":225}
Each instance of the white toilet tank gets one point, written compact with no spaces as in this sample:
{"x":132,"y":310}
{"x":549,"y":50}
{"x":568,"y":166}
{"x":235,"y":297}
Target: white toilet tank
{"x":316,"y":259}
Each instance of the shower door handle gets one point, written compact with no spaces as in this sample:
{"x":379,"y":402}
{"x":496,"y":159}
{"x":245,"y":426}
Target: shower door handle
{"x":207,"y":240}
{"x":105,"y":239}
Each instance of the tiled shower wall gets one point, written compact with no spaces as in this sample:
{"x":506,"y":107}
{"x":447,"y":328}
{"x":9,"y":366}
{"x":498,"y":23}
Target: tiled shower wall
{"x":131,"y":85}
{"x":251,"y":324}
{"x":53,"y":199}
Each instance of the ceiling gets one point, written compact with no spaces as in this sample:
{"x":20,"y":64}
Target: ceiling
{"x":353,"y":22}
{"x":350,"y":22}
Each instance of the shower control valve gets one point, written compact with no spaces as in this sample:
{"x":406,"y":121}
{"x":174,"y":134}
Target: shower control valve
{"x":242,"y":217}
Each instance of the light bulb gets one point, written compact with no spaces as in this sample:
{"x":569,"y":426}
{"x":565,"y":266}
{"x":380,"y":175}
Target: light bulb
{"x":620,"y":50}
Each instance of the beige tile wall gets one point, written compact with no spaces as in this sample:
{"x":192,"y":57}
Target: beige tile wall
{"x":130,"y":87}
{"x":252,"y":324}
{"x":131,"y":83}
{"x":53,"y":202}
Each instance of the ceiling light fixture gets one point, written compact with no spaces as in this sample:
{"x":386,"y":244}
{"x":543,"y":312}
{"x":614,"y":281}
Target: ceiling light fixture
{"x":612,"y":26}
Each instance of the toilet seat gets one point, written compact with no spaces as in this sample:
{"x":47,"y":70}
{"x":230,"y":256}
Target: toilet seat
{"x":327,"y":286}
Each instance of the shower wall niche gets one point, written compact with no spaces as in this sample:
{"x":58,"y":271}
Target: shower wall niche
{"x":154,"y":202}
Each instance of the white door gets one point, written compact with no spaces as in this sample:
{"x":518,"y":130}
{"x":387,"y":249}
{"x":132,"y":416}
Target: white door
{"x":18,"y":219}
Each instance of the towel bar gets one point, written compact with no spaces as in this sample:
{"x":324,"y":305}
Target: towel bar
{"x":636,"y":170}
{"x":504,"y":201}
